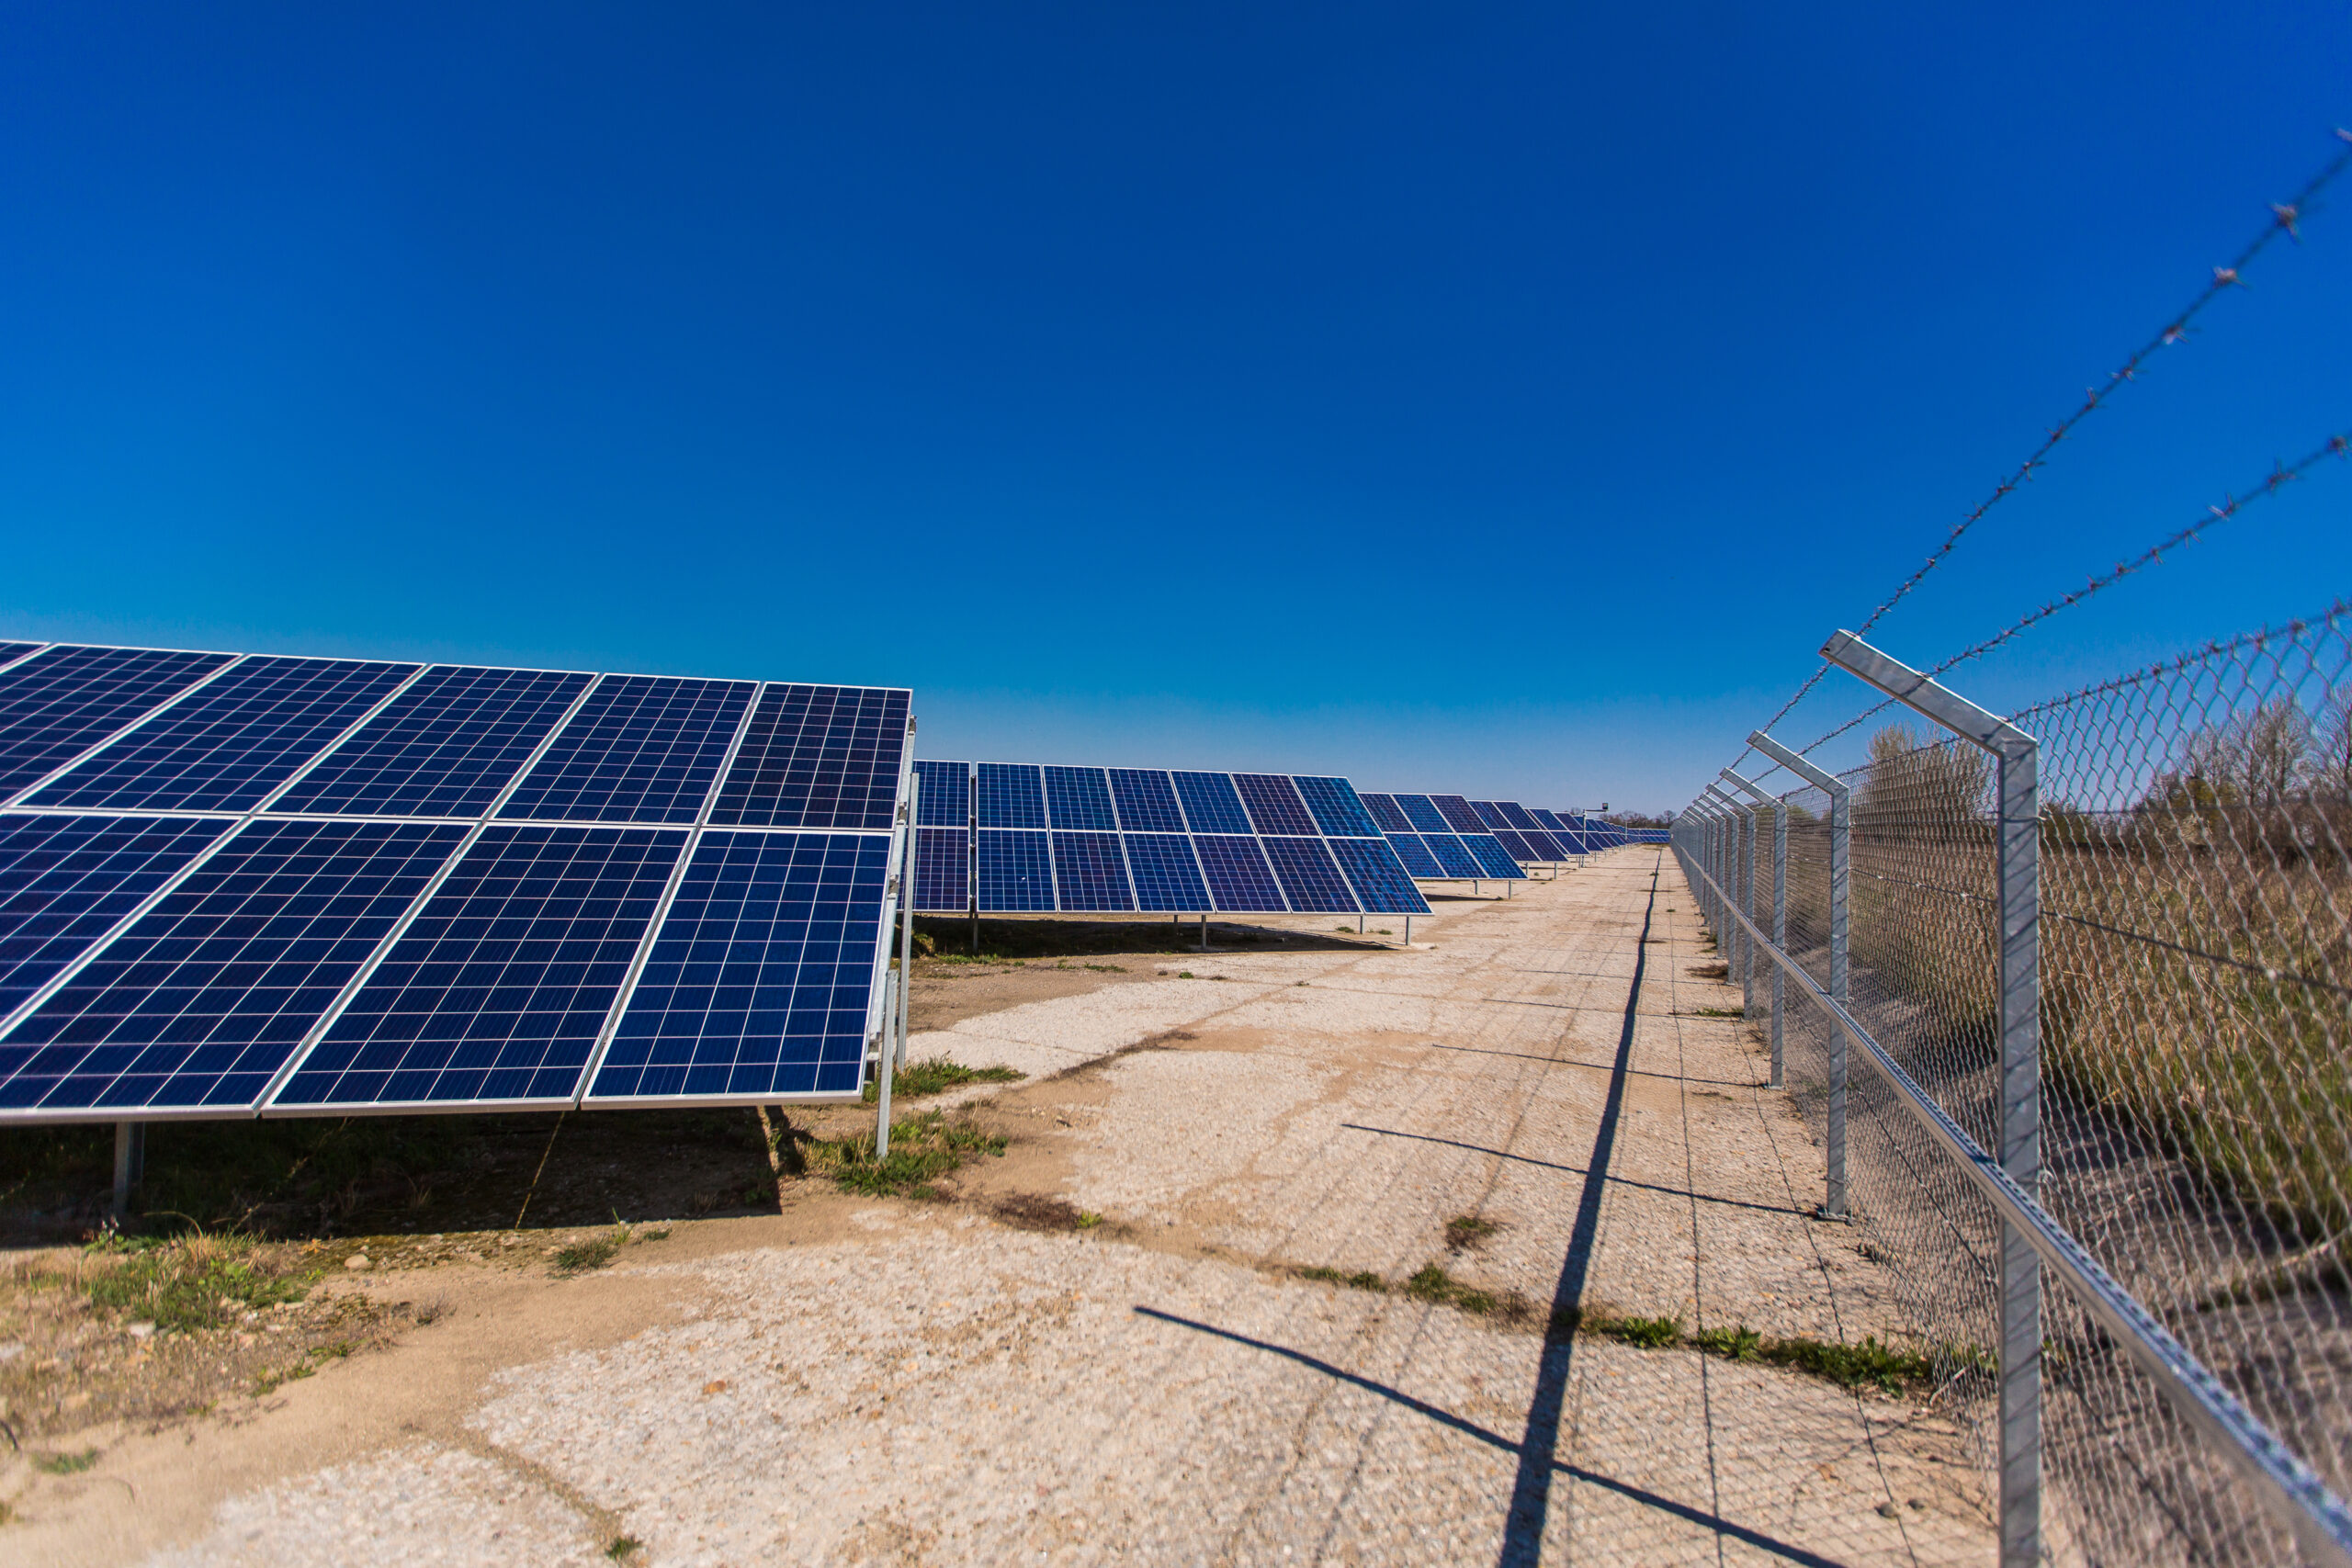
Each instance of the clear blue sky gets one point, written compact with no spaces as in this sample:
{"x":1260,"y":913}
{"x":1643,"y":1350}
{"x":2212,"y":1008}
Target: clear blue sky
{"x":1501,"y":398}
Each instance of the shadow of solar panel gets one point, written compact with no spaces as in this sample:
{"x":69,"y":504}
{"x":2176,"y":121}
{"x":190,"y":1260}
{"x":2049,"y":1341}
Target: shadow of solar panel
{"x":65,"y":881}
{"x":58,"y":705}
{"x":641,"y":749}
{"x":1239,"y":879}
{"x":1211,"y":805}
{"x":1274,"y":803}
{"x":1423,"y":814}
{"x":819,"y":757}
{"x":443,"y":748}
{"x":1166,"y":875}
{"x":1388,"y":813}
{"x":1089,"y":874}
{"x":1016,"y":874}
{"x":1079,"y":799}
{"x":496,"y":993}
{"x":1009,"y":794}
{"x":758,"y":984}
{"x":1378,"y":877}
{"x":1452,"y":856}
{"x":1493,"y":859}
{"x":1414,"y":855}
{"x":946,"y":800}
{"x":229,"y":745}
{"x":1147,"y":801}
{"x":1310,"y":880}
{"x":943,"y":870}
{"x":1457,"y":814}
{"x":1339,"y":813}
{"x":199,"y":1003}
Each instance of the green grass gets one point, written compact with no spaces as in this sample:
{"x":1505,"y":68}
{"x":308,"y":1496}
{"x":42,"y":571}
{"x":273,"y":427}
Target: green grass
{"x":1467,"y":1231}
{"x":1713,"y":1012}
{"x":624,"y":1546}
{"x":923,"y":1148}
{"x":1431,"y":1284}
{"x":195,"y":1282}
{"x":937,"y":1076}
{"x":1741,"y":1344}
{"x":1363,"y":1279}
{"x":593,"y":1253}
{"x":65,"y":1464}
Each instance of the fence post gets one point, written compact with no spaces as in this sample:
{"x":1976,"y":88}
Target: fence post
{"x":1840,"y":830}
{"x":2019,"y":835}
{"x":1727,"y":933}
{"x":1780,"y":909}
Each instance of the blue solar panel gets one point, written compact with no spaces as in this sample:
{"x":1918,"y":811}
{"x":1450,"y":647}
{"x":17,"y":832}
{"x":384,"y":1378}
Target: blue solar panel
{"x":201,"y":1001}
{"x":641,"y":749}
{"x":229,"y":745}
{"x":1415,"y":856}
{"x":1078,"y":799}
{"x":1167,"y":877}
{"x":1549,"y":822}
{"x":65,"y":880}
{"x":1515,"y":843}
{"x":1381,"y":886}
{"x":1545,"y":846}
{"x":12,"y":651}
{"x":498,"y":990}
{"x":1490,"y":814}
{"x":757,"y":986}
{"x":1211,"y":805}
{"x":1147,"y":801}
{"x":58,"y":705}
{"x":1090,"y":873}
{"x":1493,"y":859}
{"x":819,"y":757}
{"x":1273,"y":804}
{"x":1457,"y":814}
{"x":1449,"y":854}
{"x":1016,"y":871}
{"x":943,"y":869}
{"x":1516,"y":816}
{"x":1010,"y":795}
{"x":1312,"y":883}
{"x":1424,"y":815}
{"x":443,"y":748}
{"x":1239,"y":879}
{"x":1337,"y":811}
{"x":946,"y":800}
{"x":1388,"y":813}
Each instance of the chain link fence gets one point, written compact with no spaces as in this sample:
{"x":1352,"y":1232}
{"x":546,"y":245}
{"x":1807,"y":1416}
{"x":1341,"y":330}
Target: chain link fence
{"x":2195,"y":1058}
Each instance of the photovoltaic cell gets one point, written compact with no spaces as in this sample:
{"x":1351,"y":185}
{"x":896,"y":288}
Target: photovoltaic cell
{"x":12,"y":651}
{"x":1516,"y":816}
{"x":641,"y":749}
{"x":757,"y":986}
{"x":1088,"y":872}
{"x":1010,"y":795}
{"x":1338,"y":812}
{"x":56,"y":707}
{"x":443,"y":748}
{"x":1016,"y":874}
{"x":946,"y":800}
{"x":496,"y":993}
{"x":1211,"y":805}
{"x":1423,"y":814}
{"x":1547,"y":820}
{"x":65,"y":880}
{"x":1493,"y":859}
{"x":201,"y":1001}
{"x":943,"y":869}
{"x":1166,"y":875}
{"x":1273,"y":804}
{"x":1388,"y":813}
{"x":1448,"y":852}
{"x":1415,"y":856}
{"x":1378,"y":877}
{"x":1515,"y":843}
{"x":232,"y":743}
{"x":819,"y":757}
{"x":1490,"y":813}
{"x":1078,"y":799}
{"x":1147,"y":801}
{"x":1239,"y":879}
{"x":1308,"y":877}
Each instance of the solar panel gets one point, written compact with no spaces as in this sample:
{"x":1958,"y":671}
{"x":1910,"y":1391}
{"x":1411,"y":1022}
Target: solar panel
{"x":1147,"y":801}
{"x":1382,"y":887}
{"x":1423,"y":814}
{"x":1211,"y":803}
{"x":1239,"y":877}
{"x":1456,"y":860}
{"x":1274,"y":805}
{"x":1339,"y":813}
{"x":1490,"y":814}
{"x":943,"y":869}
{"x":1167,"y":876}
{"x":1078,"y":799}
{"x":66,"y":881}
{"x":641,"y":749}
{"x":1516,"y":816}
{"x":759,"y":985}
{"x":1016,"y":871}
{"x":498,"y":990}
{"x":946,"y":798}
{"x":12,"y":651}
{"x":208,"y":995}
{"x":819,"y":757}
{"x":1309,"y":878}
{"x":1516,"y":843}
{"x":1415,"y":856}
{"x":443,"y":748}
{"x":1493,"y":859}
{"x":1388,"y":813}
{"x":1010,"y":795}
{"x":1090,"y":873}
{"x":231,"y":743}
{"x":1547,"y":846}
{"x":1457,"y":814}
{"x":62,"y":702}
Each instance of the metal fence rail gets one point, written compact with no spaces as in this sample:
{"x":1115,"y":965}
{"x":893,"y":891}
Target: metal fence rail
{"x":2095,"y":963}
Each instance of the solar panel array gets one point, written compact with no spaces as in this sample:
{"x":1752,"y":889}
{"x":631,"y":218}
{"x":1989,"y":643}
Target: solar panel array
{"x":236,"y":885}
{"x":1440,"y":837}
{"x":1022,"y":838}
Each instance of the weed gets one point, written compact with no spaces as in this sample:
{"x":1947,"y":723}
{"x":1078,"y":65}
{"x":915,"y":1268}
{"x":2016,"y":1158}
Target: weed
{"x":1380,"y":930}
{"x":1741,"y":1344}
{"x":1105,"y":968}
{"x":1183,"y":974}
{"x":1467,"y":1231}
{"x":194,"y":1282}
{"x":1088,"y":1219}
{"x":1363,"y":1279}
{"x":65,"y":1464}
{"x":1650,"y":1333}
{"x":659,"y":1233}
{"x":922,"y":1148}
{"x":624,"y":1546}
{"x":1032,"y":1211}
{"x":1342,"y":929}
{"x":593,"y":1253}
{"x":1851,"y":1366}
{"x":1710,"y":1012}
{"x":937,"y":1076}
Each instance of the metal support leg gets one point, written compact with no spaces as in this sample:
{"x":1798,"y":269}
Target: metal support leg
{"x":1204,"y":933}
{"x":129,"y":1164}
{"x":1408,"y":930}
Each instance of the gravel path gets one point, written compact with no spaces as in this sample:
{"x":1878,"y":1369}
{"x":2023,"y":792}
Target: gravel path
{"x":934,"y":1386}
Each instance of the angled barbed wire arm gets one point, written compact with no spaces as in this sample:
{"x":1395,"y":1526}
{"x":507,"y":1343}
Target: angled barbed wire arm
{"x":1840,"y":848}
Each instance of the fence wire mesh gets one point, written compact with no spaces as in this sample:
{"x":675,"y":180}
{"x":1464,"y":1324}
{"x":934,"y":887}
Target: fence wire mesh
{"x":2196,"y":880}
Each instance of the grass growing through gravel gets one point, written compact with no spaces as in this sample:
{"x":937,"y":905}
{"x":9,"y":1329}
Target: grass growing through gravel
{"x":1363,"y":1279}
{"x":1872,"y":1363}
{"x":937,"y":1076}
{"x":198,"y":1281}
{"x":65,"y":1464}
{"x":923,"y":1148}
{"x":1466,"y":1231}
{"x":592,"y":1253}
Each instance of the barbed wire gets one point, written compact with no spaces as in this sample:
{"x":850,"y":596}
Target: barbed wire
{"x":2284,"y":218}
{"x":2217,"y":648}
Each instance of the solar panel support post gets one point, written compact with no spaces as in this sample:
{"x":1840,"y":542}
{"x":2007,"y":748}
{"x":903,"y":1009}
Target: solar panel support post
{"x":2017,"y":830}
{"x":1841,"y":817}
{"x":907,"y":920}
{"x":129,"y":1165}
{"x":1204,"y":933}
{"x":1779,"y":902}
